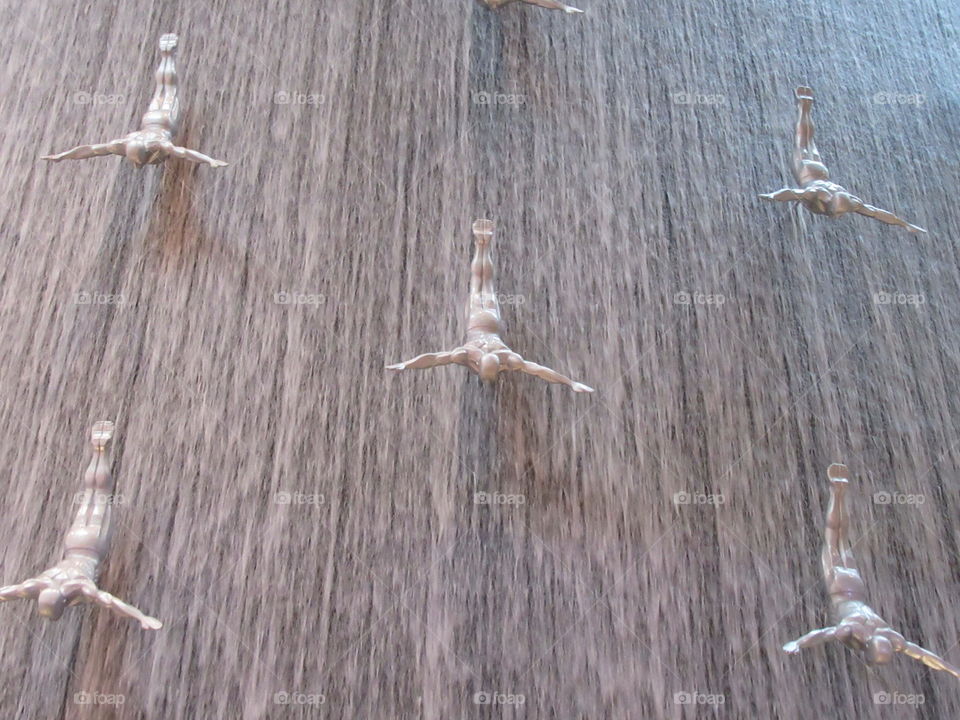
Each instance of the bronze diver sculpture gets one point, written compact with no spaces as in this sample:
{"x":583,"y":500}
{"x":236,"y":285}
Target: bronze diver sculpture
{"x":816,"y":192}
{"x":856,"y":624}
{"x":73,"y":580}
{"x":153,"y":142}
{"x":484,"y":352}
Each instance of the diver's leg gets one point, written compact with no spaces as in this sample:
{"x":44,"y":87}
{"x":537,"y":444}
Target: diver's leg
{"x":483,"y":294}
{"x":807,"y":163}
{"x":836,"y":548}
{"x":165,"y":98}
{"x":481,"y":279}
{"x":90,"y":530}
{"x":166,"y":74}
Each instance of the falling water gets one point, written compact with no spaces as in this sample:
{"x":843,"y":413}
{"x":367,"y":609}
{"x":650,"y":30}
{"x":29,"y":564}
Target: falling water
{"x":310,"y":528}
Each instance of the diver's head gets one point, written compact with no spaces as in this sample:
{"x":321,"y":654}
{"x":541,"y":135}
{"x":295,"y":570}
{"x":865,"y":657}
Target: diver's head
{"x":137,"y":153}
{"x":841,"y":203}
{"x":489,"y":367}
{"x":51,"y":603}
{"x":879,"y":650}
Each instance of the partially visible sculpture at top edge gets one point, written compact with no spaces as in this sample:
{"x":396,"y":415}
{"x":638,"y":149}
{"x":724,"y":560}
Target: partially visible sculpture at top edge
{"x":549,"y":4}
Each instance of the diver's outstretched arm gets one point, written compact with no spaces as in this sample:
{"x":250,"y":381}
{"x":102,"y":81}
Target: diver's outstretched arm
{"x":483,"y":294}
{"x":429,"y":360}
{"x":27,"y":589}
{"x":883,"y":216}
{"x":930,"y":659}
{"x":553,"y":5}
{"x":549,"y":4}
{"x":82,"y":152}
{"x":545,"y":373}
{"x":104,"y":599}
{"x":194,"y":156}
{"x":836,"y":546}
{"x":811,"y":639}
{"x":785,"y":195}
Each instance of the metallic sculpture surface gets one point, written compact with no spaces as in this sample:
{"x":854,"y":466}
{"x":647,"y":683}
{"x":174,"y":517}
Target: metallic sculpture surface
{"x":857,"y":625}
{"x":549,"y":4}
{"x":153,"y":142}
{"x":73,"y":580}
{"x":484,"y":352}
{"x":816,"y":192}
